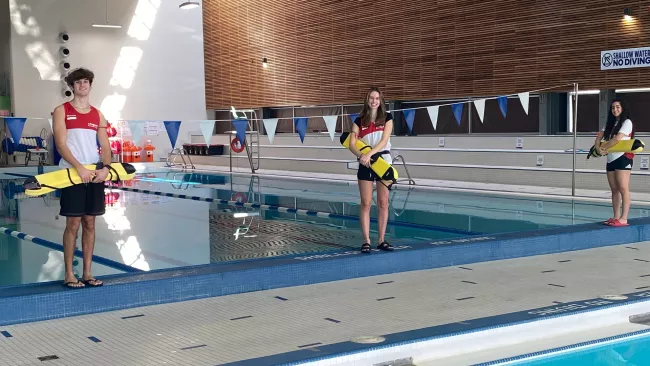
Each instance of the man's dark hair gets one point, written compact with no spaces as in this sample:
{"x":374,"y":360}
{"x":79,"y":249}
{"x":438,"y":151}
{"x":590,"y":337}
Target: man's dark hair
{"x":79,"y":74}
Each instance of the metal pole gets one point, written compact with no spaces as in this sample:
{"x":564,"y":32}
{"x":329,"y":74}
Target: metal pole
{"x":575,"y":135}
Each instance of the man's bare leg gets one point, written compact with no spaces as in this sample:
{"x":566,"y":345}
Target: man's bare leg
{"x":69,"y":246}
{"x":88,"y":248}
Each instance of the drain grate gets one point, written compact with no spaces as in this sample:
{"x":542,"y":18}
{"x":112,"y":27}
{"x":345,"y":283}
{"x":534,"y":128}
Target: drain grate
{"x":643,"y":319}
{"x":398,"y":362}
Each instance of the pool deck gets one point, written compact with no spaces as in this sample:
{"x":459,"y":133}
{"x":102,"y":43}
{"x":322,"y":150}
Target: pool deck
{"x":299,"y":323}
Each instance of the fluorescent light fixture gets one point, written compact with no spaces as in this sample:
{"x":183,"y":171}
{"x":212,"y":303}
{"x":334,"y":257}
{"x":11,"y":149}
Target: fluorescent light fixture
{"x":585,"y":92}
{"x":189,"y":5}
{"x":107,"y":26}
{"x":632,"y":90}
{"x":239,"y":215}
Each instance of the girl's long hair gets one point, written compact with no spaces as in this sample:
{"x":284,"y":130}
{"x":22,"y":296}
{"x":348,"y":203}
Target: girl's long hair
{"x":610,"y":130}
{"x":365,"y":114}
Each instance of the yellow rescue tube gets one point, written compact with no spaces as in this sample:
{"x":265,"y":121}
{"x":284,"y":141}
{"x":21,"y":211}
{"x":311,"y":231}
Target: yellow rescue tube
{"x":624,"y":146}
{"x":378,"y":165}
{"x":49,"y":182}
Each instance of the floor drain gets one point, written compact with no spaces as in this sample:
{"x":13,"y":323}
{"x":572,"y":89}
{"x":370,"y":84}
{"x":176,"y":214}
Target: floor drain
{"x":368,"y":339}
{"x":613,"y":297}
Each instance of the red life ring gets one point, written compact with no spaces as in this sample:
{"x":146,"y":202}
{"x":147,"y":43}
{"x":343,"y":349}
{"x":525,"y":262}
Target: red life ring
{"x":234,"y":143}
{"x":239,"y":197}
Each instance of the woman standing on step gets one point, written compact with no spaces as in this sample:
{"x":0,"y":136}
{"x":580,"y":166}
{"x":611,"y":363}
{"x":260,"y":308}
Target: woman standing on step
{"x":619,"y":165}
{"x":374,"y":127}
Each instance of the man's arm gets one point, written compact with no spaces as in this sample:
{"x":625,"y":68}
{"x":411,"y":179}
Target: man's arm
{"x":105,"y":144}
{"x":60,"y":135}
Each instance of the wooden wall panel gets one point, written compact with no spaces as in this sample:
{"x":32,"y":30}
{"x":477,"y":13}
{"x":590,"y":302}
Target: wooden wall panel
{"x":331,"y":51}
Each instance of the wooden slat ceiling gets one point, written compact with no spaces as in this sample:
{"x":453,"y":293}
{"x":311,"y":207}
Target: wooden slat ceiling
{"x":331,"y":51}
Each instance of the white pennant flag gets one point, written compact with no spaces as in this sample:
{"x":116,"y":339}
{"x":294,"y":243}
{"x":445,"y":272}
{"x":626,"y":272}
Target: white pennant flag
{"x":523,"y":97}
{"x":50,"y":120}
{"x":207,"y":126}
{"x":433,"y":114}
{"x":270,"y":124}
{"x":480,"y":108}
{"x":330,"y":122}
{"x":136,"y":128}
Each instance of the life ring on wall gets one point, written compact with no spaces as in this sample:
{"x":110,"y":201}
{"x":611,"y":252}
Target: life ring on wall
{"x":239,"y":197}
{"x":236,"y":146}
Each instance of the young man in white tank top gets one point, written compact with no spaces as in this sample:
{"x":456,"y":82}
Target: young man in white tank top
{"x":77,"y":126}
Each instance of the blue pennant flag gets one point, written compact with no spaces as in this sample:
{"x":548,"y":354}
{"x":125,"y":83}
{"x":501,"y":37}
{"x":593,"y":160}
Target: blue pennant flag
{"x":458,"y":111}
{"x":301,"y":127}
{"x":353,"y":116}
{"x":409,"y":115}
{"x":15,"y":126}
{"x":240,"y":128}
{"x":172,"y":128}
{"x":503,"y":104}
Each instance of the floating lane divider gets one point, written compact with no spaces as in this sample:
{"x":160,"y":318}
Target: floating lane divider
{"x":297,"y":211}
{"x":48,"y":244}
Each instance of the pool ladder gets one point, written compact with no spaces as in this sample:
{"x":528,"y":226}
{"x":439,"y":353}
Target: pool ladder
{"x":176,"y":152}
{"x":252,"y":140}
{"x":399,"y":157}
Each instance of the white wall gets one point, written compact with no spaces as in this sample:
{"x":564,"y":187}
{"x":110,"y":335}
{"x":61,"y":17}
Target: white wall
{"x":5,"y":42}
{"x":150,"y":69}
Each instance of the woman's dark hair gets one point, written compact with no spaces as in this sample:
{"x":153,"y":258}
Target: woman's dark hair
{"x":380,"y":118}
{"x":79,"y":74}
{"x":610,"y":130}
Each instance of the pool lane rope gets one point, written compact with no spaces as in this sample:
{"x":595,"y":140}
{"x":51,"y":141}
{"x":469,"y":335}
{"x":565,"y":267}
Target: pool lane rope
{"x":296,"y":211}
{"x":48,"y":244}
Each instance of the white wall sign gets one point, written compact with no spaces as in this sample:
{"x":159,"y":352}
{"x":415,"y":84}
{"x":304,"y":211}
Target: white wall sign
{"x":625,"y":58}
{"x":520,"y":143}
{"x":441,"y":142}
{"x":540,"y":160}
{"x":644,"y":163}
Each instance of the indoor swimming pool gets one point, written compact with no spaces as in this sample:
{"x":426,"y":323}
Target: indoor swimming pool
{"x":632,"y":349}
{"x":223,"y":218}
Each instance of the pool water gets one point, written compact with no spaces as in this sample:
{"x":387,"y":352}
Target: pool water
{"x":629,"y":352}
{"x":147,"y":231}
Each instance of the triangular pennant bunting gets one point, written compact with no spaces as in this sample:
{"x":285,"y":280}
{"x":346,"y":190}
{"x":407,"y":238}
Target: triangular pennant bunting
{"x":503,"y":105}
{"x":207,"y":127}
{"x":480,"y":108}
{"x":353,"y":116}
{"x":301,"y":127}
{"x":240,"y":129}
{"x":136,"y":128}
{"x":458,"y":111}
{"x":433,"y":115}
{"x":15,"y":126}
{"x":524,"y":97}
{"x":270,"y":125}
{"x":409,"y":115}
{"x":51,"y":128}
{"x":172,"y":128}
{"x":330,"y":123}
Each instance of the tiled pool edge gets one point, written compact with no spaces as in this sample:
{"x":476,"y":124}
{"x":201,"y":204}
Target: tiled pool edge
{"x":337,"y":352}
{"x":36,"y":302}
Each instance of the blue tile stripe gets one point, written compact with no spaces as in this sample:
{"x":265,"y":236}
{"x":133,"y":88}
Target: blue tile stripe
{"x":51,"y":245}
{"x":329,"y":215}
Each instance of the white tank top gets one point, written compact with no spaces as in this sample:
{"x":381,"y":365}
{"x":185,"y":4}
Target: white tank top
{"x":81,"y":135}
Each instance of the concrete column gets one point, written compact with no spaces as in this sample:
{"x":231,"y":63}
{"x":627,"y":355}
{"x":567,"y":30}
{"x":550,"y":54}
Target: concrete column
{"x":551,"y":114}
{"x":605,"y":101}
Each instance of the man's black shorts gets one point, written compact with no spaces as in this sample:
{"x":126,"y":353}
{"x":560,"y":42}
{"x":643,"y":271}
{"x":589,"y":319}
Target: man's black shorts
{"x":83,"y":199}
